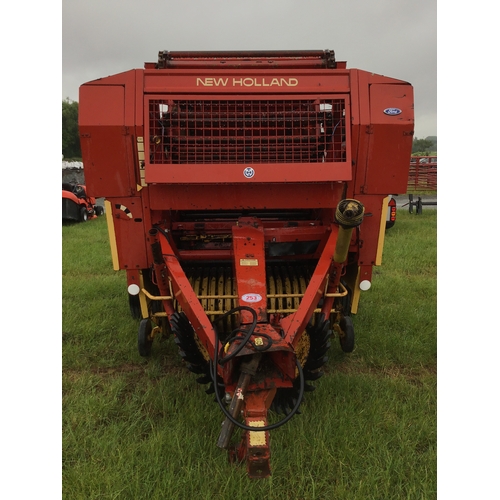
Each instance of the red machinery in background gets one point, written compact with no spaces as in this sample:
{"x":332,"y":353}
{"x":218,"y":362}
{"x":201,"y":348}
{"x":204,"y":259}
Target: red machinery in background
{"x":246,"y":199}
{"x":423,"y":174}
{"x":77,"y":206}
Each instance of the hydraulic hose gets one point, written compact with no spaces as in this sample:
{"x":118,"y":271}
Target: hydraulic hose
{"x":213,"y":373}
{"x":247,"y":333}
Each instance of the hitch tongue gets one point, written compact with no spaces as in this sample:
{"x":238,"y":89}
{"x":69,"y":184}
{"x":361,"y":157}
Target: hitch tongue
{"x":248,"y":370}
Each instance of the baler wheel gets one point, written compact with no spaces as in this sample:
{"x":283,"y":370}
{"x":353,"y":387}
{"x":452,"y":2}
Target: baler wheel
{"x":144,"y":340}
{"x":346,"y":335}
{"x":192,"y":353}
{"x":317,"y":336}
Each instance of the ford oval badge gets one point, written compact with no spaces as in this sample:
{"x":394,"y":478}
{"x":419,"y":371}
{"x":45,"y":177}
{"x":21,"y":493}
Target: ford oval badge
{"x":392,"y":111}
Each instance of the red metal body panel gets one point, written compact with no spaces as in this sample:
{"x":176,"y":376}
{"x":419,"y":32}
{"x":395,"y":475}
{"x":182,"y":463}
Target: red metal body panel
{"x":243,"y":196}
{"x":264,"y":173}
{"x":128,"y":217}
{"x":108,"y":128}
{"x":381,"y":141}
{"x":390,"y":138}
{"x":252,"y":82}
{"x":225,"y":173}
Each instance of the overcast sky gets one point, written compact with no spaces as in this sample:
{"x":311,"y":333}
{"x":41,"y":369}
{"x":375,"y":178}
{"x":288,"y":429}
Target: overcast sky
{"x":395,"y":38}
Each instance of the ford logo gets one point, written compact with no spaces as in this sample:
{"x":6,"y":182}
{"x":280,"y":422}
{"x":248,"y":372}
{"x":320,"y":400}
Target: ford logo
{"x":392,"y":111}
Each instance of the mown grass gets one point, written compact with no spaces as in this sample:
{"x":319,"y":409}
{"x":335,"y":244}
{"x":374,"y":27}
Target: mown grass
{"x":136,"y":428}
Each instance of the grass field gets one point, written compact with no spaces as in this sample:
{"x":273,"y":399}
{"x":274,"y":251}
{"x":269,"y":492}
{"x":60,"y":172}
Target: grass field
{"x":136,"y":428}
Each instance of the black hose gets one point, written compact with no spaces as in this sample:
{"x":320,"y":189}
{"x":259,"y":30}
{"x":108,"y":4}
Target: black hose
{"x":162,"y":231}
{"x":244,"y":340}
{"x":213,"y":373}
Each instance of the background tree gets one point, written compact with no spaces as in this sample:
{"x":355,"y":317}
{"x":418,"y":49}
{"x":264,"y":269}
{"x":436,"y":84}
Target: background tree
{"x":70,"y":135}
{"x":427,"y":145}
{"x":434,"y":140}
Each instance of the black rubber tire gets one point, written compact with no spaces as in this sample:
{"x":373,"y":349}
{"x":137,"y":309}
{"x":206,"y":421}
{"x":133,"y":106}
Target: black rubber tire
{"x":144,"y":342}
{"x":99,"y":210}
{"x":83,"y":214}
{"x":346,"y":337}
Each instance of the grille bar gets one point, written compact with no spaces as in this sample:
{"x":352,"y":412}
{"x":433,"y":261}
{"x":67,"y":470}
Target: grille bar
{"x":264,"y":131}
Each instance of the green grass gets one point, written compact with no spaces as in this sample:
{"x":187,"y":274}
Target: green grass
{"x":136,"y":428}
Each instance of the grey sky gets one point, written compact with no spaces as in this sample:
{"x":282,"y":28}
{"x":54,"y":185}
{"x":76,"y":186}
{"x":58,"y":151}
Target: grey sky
{"x":396,"y":38}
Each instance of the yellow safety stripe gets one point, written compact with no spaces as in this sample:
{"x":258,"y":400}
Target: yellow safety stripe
{"x":381,"y":232}
{"x":111,"y":235}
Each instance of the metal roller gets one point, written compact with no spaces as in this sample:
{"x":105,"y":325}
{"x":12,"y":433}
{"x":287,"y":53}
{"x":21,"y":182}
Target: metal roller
{"x":215,"y":288}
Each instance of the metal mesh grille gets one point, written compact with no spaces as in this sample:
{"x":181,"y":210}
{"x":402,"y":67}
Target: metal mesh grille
{"x":261,"y":131}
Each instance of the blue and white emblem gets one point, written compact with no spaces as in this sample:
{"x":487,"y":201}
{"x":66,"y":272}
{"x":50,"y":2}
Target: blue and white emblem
{"x":249,"y":172}
{"x":392,"y":111}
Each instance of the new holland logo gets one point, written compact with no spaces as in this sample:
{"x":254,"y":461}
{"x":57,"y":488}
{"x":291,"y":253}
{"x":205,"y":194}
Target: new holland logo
{"x":247,"y":82}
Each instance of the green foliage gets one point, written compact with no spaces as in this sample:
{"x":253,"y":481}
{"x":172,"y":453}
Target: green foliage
{"x":424,"y":153}
{"x":424,"y":146}
{"x":70,"y":134}
{"x":144,"y":429}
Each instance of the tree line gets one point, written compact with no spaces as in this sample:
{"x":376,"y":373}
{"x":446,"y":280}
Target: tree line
{"x":425,"y":146}
{"x":71,"y":137}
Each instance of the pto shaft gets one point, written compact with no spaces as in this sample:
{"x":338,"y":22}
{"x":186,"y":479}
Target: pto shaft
{"x":349,"y":214}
